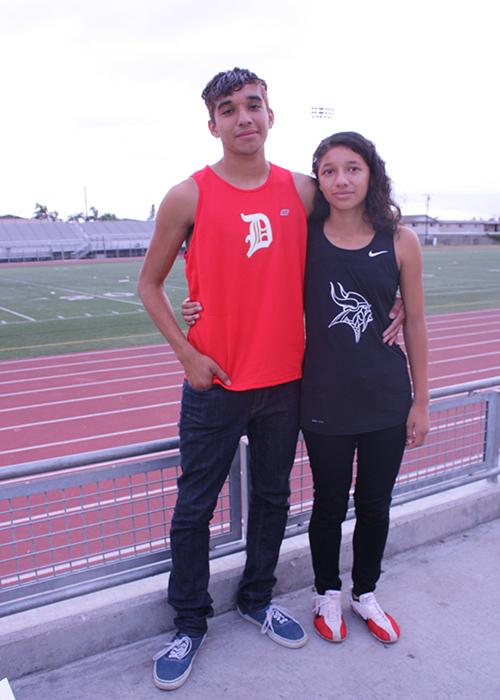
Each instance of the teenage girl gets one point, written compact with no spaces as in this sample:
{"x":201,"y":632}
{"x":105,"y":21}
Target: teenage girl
{"x":356,"y":390}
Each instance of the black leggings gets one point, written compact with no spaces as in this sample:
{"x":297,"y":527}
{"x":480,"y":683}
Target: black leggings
{"x":331,"y":459}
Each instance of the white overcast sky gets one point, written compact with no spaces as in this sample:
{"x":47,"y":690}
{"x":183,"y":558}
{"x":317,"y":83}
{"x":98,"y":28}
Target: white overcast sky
{"x":105,"y":94}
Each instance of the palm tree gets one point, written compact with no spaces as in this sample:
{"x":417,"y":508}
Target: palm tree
{"x":76,"y":218}
{"x":42,"y":213}
{"x":93,"y":216}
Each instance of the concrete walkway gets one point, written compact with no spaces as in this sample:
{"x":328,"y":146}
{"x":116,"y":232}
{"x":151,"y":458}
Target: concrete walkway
{"x":445,"y":596}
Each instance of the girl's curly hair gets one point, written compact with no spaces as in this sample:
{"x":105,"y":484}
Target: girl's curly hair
{"x":380,"y":209}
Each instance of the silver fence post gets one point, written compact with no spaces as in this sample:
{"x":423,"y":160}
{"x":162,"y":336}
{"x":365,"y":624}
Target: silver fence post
{"x":494,"y":434}
{"x":244,"y":458}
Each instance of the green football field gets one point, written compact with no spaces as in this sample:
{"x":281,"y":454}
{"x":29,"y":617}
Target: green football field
{"x":72,"y":307}
{"x":78,"y":306}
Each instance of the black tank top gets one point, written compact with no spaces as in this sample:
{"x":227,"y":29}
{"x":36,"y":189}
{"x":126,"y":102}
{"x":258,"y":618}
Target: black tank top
{"x":353,"y":382}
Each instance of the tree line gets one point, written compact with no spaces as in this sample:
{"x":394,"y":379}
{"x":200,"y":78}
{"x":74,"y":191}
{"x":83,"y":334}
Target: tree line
{"x":42,"y":213}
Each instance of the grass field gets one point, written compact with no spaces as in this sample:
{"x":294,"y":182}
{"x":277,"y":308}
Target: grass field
{"x":71,"y":307}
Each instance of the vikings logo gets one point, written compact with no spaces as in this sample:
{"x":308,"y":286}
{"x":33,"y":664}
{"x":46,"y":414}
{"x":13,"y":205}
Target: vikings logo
{"x":356,"y":311}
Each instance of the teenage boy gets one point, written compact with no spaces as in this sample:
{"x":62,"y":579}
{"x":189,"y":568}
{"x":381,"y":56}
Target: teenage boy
{"x":242,"y":360}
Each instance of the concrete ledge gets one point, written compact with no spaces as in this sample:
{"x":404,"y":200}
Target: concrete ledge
{"x":54,"y":635}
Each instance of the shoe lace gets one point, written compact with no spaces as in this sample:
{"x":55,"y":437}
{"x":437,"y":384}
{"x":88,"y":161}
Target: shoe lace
{"x":376,"y":612}
{"x":281,"y":615}
{"x":328,"y":606}
{"x":178,"y":648}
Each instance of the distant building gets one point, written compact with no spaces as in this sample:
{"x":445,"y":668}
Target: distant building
{"x":433,"y":231}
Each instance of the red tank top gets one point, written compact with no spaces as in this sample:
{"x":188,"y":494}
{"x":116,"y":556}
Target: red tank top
{"x":245,"y":264}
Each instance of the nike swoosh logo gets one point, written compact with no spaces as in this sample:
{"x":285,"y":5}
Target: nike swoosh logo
{"x":371,"y":254}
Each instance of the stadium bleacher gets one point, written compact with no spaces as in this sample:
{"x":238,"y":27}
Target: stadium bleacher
{"x":30,"y":239}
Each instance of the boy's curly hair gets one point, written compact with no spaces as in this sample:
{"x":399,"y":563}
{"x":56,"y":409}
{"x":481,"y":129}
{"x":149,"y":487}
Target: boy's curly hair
{"x":227,"y":82}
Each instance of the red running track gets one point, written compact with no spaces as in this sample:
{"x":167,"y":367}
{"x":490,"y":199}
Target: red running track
{"x":66,"y":404}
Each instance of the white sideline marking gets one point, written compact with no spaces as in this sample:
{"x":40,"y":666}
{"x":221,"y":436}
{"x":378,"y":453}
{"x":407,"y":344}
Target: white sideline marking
{"x":41,"y":321}
{"x":117,"y":295}
{"x":16,"y":313}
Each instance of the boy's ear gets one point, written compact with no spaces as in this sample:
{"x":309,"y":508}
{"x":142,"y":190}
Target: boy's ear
{"x":271,"y":118}
{"x":213,"y":128}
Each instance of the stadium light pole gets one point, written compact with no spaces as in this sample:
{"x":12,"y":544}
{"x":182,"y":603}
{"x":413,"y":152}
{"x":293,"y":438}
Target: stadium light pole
{"x":426,"y":237}
{"x":322,"y":117}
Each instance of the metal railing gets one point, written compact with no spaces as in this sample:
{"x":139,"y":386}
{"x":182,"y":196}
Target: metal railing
{"x":77,"y":524}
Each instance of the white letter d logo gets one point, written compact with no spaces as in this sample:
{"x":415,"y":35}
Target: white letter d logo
{"x":260,"y":233}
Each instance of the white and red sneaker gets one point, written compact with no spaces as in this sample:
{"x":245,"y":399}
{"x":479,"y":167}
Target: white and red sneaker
{"x":328,"y":620}
{"x":381,"y":625}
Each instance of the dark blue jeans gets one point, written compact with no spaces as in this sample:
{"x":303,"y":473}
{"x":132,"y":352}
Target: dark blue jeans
{"x":211,"y":425}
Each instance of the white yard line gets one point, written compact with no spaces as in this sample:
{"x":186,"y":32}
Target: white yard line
{"x":16,"y":313}
{"x":79,"y":291}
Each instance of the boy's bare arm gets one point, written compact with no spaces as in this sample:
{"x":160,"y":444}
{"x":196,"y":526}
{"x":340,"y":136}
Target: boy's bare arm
{"x":306,"y":188}
{"x":174,"y":219}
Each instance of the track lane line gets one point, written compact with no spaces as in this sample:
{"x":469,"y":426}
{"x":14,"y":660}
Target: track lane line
{"x":86,"y":384}
{"x":91,"y":437}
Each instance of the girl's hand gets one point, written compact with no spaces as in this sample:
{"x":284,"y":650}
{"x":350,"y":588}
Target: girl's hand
{"x":417,"y":425}
{"x":190,"y":311}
